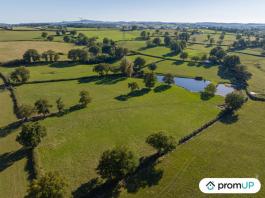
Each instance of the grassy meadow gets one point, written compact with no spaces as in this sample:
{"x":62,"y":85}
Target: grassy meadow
{"x":224,"y":150}
{"x":75,"y":141}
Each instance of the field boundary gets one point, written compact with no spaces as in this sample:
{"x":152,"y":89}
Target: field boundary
{"x":12,"y":94}
{"x":253,"y":97}
{"x":164,"y":58}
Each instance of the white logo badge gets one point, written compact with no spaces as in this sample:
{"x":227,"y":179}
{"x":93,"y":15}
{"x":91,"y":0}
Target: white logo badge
{"x":230,"y":185}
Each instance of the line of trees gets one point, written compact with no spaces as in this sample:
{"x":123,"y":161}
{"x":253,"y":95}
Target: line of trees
{"x":32,"y":55}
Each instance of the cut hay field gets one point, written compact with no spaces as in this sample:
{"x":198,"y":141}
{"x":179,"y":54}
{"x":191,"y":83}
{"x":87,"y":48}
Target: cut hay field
{"x":15,"y":50}
{"x":6,"y":35}
{"x":76,"y":140}
{"x":224,"y":150}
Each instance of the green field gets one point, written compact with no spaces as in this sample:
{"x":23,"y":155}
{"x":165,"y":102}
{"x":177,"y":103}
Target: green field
{"x":75,"y":141}
{"x":224,"y":150}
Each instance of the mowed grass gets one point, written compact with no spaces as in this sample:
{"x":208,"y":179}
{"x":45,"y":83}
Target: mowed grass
{"x":15,"y":50}
{"x":224,"y":150}
{"x":13,"y":178}
{"x":76,"y":140}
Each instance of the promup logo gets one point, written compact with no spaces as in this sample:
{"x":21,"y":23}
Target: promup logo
{"x":210,"y":185}
{"x":230,"y":185}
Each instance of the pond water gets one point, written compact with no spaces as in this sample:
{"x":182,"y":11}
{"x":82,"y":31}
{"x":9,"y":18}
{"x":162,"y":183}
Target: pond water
{"x":199,"y":85}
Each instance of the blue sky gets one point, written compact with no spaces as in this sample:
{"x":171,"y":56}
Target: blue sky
{"x":246,"y":11}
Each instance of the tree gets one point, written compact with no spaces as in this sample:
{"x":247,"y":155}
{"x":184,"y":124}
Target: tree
{"x":102,"y":69}
{"x":218,"y":52}
{"x":73,"y":32}
{"x":133,"y":86}
{"x":241,"y":74}
{"x":176,"y":47}
{"x":185,"y":36}
{"x":94,"y":50}
{"x":212,"y":41}
{"x":78,"y":55}
{"x":234,"y":101}
{"x":150,"y":80}
{"x":184,"y":55}
{"x":204,"y":57}
{"x":31,"y":135}
{"x":157,"y":41}
{"x":67,"y":39}
{"x":161,"y":142}
{"x":60,"y":105}
{"x":44,"y":35}
{"x":143,"y":34}
{"x":50,"y":185}
{"x":120,"y":52}
{"x":195,"y":58}
{"x":209,"y":91}
{"x":31,"y":55}
{"x":138,"y":63}
{"x":25,"y":111}
{"x":85,"y":98}
{"x":126,"y":67}
{"x":152,"y":67}
{"x":116,"y":163}
{"x":20,"y":75}
{"x":167,"y":41}
{"x":50,"y":38}
{"x":231,"y":61}
{"x":42,"y":106}
{"x":168,"y":79}
{"x":208,"y":37}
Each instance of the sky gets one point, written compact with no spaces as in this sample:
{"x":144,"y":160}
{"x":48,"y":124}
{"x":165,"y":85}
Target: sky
{"x":243,"y":11}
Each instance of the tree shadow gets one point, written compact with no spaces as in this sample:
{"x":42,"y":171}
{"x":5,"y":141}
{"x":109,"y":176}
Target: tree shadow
{"x":96,"y":188}
{"x":179,"y":62}
{"x":170,"y":54}
{"x":4,"y":131}
{"x":133,"y":94}
{"x":161,"y":88}
{"x":147,"y":175}
{"x":63,"y":64}
{"x":229,"y":118}
{"x":8,"y":159}
{"x":108,"y":80}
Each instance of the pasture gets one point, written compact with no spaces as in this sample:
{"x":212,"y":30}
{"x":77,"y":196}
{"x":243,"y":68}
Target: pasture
{"x":76,"y":140}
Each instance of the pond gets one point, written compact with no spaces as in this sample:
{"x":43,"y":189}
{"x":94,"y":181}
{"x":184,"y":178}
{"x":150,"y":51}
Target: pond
{"x":199,"y":85}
